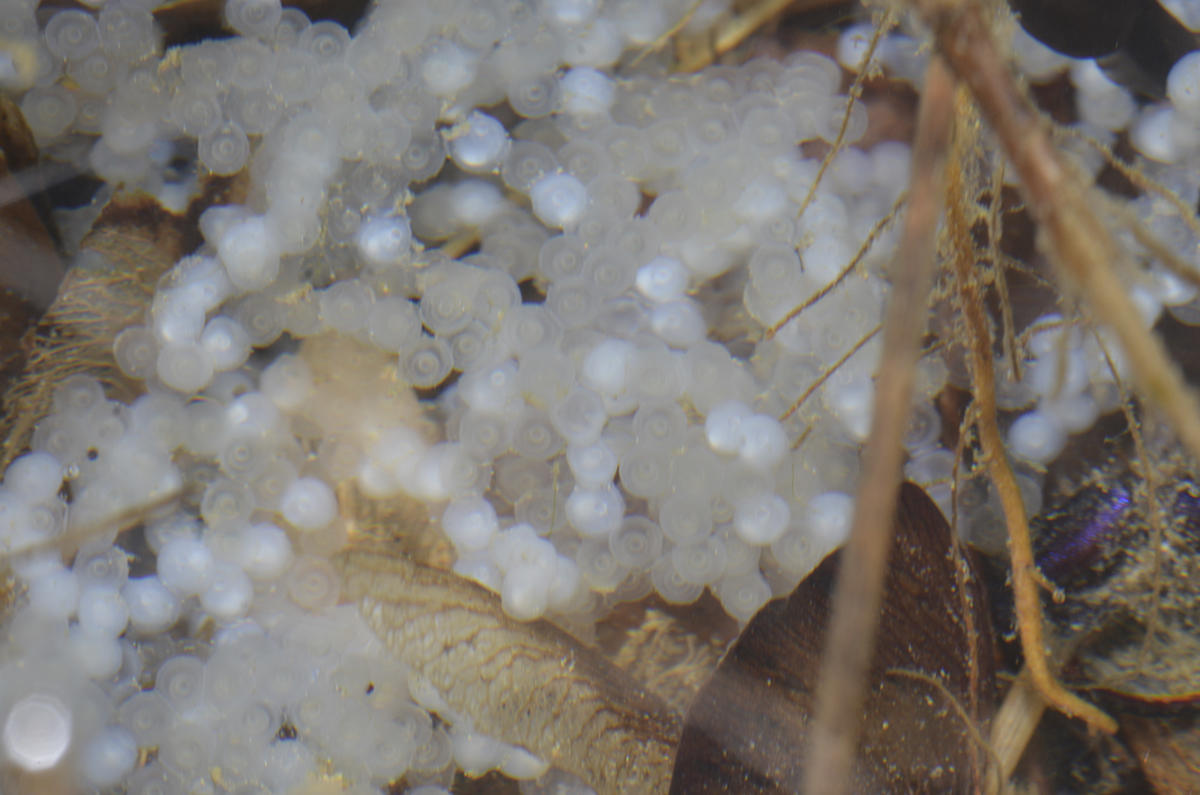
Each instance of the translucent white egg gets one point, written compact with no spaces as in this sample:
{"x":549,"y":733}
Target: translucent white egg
{"x":685,"y":518}
{"x":227,"y":343}
{"x":53,"y":594}
{"x":470,"y":523}
{"x":580,"y":416}
{"x":564,"y":582}
{"x":700,"y":563}
{"x":723,"y":426}
{"x":828,"y":518}
{"x":853,"y":44}
{"x":475,"y":753}
{"x":606,"y":367}
{"x":595,"y":512}
{"x":559,"y":200}
{"x":72,"y":34}
{"x":1152,"y":136}
{"x":637,"y":543}
{"x":1037,"y":436}
{"x":592,"y":464}
{"x":264,"y":551}
{"x":446,"y":68}
{"x":761,"y":519}
{"x":229,"y":593}
{"x":743,"y":595}
{"x":102,"y":611}
{"x":224,"y":149}
{"x":679,"y":323}
{"x":249,"y":249}
{"x":586,"y":91}
{"x":185,"y":565}
{"x":662,"y":279}
{"x":98,"y":656}
{"x":36,"y":476}
{"x":108,"y":757}
{"x":479,"y":143}
{"x":764,"y":442}
{"x":253,"y":17}
{"x":153,"y":607}
{"x":525,"y":592}
{"x":37,"y":732}
{"x":287,"y":381}
{"x":309,"y":504}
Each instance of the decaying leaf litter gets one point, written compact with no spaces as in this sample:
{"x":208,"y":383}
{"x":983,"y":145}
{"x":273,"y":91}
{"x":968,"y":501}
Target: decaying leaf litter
{"x":76,"y":335}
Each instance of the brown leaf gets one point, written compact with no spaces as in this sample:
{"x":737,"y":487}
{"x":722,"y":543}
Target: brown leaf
{"x":30,"y":267}
{"x":133,"y":242}
{"x":526,"y":683}
{"x":188,"y":21}
{"x":1168,"y":750}
{"x":745,"y":732}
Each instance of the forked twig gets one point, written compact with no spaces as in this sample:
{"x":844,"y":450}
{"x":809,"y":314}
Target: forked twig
{"x":849,"y":646}
{"x":1024,"y":571}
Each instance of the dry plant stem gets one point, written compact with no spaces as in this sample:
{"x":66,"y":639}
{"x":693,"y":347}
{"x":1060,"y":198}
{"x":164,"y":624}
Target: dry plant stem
{"x":1024,"y":572}
{"x":841,"y":686}
{"x":737,"y":29}
{"x":1014,"y":723}
{"x":1075,"y":238}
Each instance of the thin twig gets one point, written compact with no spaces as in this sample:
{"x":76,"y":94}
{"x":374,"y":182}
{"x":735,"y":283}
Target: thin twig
{"x":1186,"y":213}
{"x":730,"y":34}
{"x":868,"y":242}
{"x":1169,"y":259}
{"x":829,"y":371}
{"x":841,"y":687}
{"x":1024,"y":571}
{"x":667,"y":35}
{"x":883,"y":24}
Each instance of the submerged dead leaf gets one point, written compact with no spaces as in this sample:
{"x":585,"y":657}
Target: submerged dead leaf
{"x":133,"y":242}
{"x":931,"y":679}
{"x":1168,"y":750}
{"x":529,"y":684}
{"x":671,"y":649}
{"x":188,"y":21}
{"x":30,"y":267}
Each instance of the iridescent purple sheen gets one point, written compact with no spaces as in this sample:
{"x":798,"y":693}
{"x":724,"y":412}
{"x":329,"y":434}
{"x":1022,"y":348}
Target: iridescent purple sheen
{"x":1078,"y":546}
{"x":1187,"y":513}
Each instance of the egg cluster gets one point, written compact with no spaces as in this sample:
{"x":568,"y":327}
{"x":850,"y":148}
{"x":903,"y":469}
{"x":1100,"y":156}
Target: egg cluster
{"x":594,"y":440}
{"x":610,"y":418}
